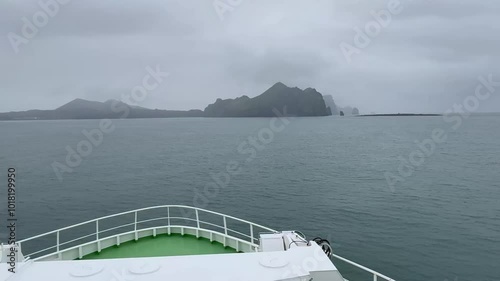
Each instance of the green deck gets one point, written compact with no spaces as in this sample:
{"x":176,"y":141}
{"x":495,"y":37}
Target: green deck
{"x":161,"y":246}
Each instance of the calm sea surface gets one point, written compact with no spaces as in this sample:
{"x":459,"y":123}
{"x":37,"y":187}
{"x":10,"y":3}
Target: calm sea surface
{"x":323,"y":176}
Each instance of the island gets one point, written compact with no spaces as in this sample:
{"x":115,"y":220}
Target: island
{"x":84,"y":109}
{"x":399,"y":114}
{"x":297,"y":102}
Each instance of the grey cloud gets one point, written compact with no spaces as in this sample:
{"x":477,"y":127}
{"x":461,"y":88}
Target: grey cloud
{"x":428,"y":58}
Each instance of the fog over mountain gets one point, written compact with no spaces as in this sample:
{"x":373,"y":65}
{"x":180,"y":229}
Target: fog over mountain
{"x":278,"y":100}
{"x":425,"y":56}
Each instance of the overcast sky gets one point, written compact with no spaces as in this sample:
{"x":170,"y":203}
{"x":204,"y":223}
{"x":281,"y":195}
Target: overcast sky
{"x":427,"y":58}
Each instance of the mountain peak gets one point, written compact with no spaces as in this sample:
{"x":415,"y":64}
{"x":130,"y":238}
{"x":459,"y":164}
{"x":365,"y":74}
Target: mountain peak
{"x":80,"y":103}
{"x":77,"y":100}
{"x":279,"y":85}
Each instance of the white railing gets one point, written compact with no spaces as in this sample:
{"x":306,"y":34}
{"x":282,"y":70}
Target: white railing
{"x":199,"y":227}
{"x":375,"y":274}
{"x":99,"y":241}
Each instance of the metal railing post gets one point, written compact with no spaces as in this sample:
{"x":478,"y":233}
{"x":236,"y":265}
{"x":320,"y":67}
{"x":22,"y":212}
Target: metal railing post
{"x":58,"y":245}
{"x":97,"y":230}
{"x":135,"y":227}
{"x":168,"y":215}
{"x":197,"y":219}
{"x":97,"y":236}
{"x":251,"y":233}
{"x":19,"y":246}
{"x":57,"y":241}
{"x":225,"y":225}
{"x":135,"y":221}
{"x":374,"y":277}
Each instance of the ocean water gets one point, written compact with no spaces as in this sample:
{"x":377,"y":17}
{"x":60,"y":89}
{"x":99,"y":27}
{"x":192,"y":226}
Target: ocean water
{"x":323,"y":176}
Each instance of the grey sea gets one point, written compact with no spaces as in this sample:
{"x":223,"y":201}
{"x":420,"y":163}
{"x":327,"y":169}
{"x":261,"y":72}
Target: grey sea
{"x":439,"y":219}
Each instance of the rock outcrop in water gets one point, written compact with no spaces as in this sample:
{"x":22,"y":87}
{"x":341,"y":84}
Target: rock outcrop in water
{"x":336,"y":109}
{"x":331,"y":104}
{"x":308,"y":102}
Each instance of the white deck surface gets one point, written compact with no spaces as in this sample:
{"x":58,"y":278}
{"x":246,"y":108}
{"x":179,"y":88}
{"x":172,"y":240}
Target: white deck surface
{"x":286,"y":265}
